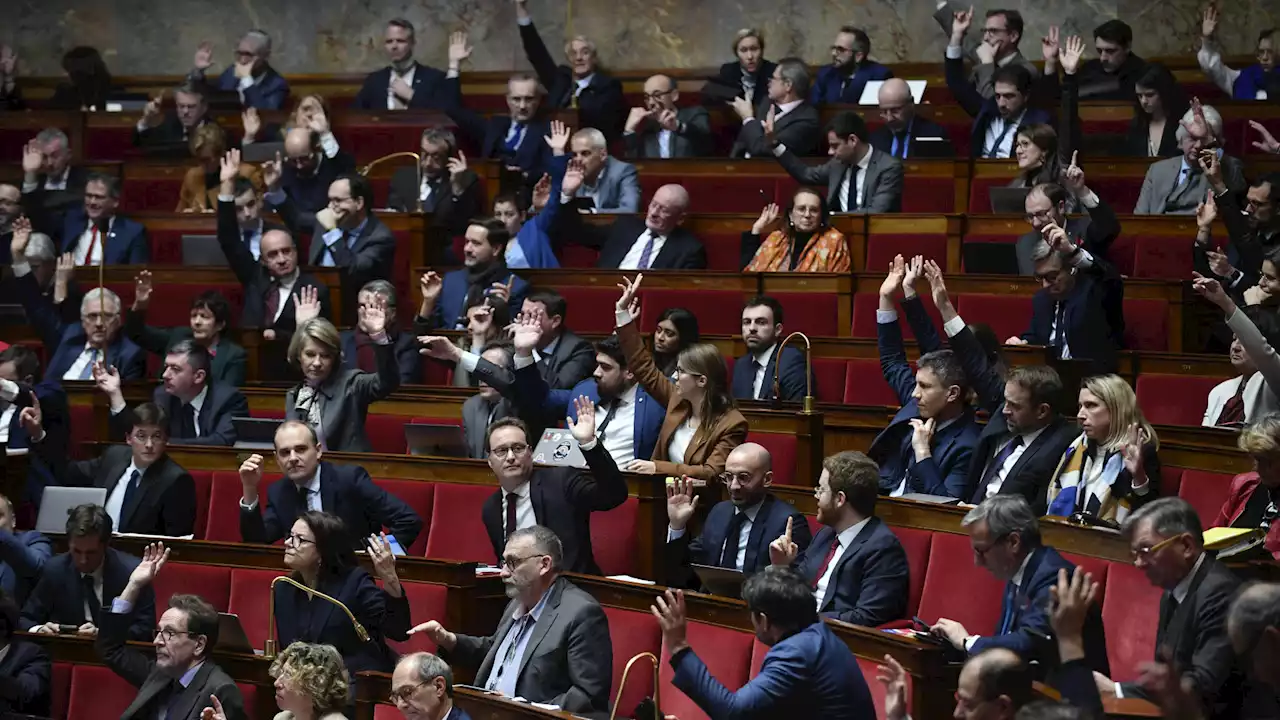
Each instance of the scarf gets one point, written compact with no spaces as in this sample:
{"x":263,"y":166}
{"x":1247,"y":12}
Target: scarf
{"x":479,"y":279}
{"x":827,"y":252}
{"x":310,"y":406}
{"x":1084,"y":482}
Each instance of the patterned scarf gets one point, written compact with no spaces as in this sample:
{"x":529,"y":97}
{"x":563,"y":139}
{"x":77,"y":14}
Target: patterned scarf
{"x":310,"y":405}
{"x":1083,"y":482}
{"x":827,"y":252}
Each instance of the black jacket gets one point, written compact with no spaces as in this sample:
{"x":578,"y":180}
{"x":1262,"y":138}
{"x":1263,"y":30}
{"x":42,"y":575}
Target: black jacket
{"x":25,"y":682}
{"x":1093,"y":316}
{"x":429,"y":91}
{"x":919,"y":142}
{"x":221,"y":403}
{"x":58,"y":597}
{"x":573,"y":361}
{"x":600,"y":105}
{"x":681,"y":251}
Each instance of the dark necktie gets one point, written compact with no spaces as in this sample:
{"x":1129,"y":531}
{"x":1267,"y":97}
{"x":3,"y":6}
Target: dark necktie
{"x":608,"y":417}
{"x":129,"y":490}
{"x":341,"y":252}
{"x":248,"y":238}
{"x":826,"y":561}
{"x":900,"y":145}
{"x":512,"y":498}
{"x":994,"y":468}
{"x":1010,"y":599}
{"x":729,"y":555}
{"x":1004,"y":132}
{"x":517,"y":134}
{"x":304,"y":494}
{"x":187,"y":421}
{"x":647,"y":253}
{"x":1233,"y":409}
{"x":90,"y":597}
{"x":272,"y":303}
{"x":756,"y":367}
{"x":837,"y":204}
{"x":1060,"y":326}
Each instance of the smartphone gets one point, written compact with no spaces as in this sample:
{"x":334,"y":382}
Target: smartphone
{"x":396,"y":548}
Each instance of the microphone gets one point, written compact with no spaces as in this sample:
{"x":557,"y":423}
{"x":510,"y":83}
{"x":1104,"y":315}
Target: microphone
{"x":367,"y":168}
{"x":270,"y":650}
{"x":648,"y":709}
{"x":808,"y":372}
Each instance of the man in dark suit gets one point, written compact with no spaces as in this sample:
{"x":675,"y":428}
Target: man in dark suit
{"x":445,"y":301}
{"x":357,"y":346}
{"x":51,"y":184}
{"x":514,"y":139}
{"x":181,"y":680}
{"x":794,"y":123}
{"x":304,"y":177}
{"x":210,"y":320}
{"x":198,"y":409}
{"x":1079,"y":312}
{"x":1046,"y":204}
{"x":753,"y":373}
{"x":309,"y":484}
{"x":1005,"y":536}
{"x":851,"y":68}
{"x":808,"y":671}
{"x":928,"y":447}
{"x":405,"y":84}
{"x":629,"y":243}
{"x":1112,"y":75}
{"x":996,"y":119}
{"x":441,"y":184}
{"x":563,"y":358}
{"x":23,"y":554}
{"x":581,"y":84}
{"x":1252,"y":233}
{"x":422,"y":688}
{"x":166,"y":133}
{"x":78,"y":585}
{"x":997,"y":47}
{"x":25,"y":668}
{"x":905,"y":133}
{"x":661,"y":129}
{"x":858,"y":178}
{"x":95,"y":235}
{"x":552,"y":645}
{"x":856,"y":566}
{"x":147,"y":492}
{"x":20,"y":388}
{"x":258,"y":84}
{"x":737,"y":531}
{"x":560,"y":498}
{"x":1167,"y":543}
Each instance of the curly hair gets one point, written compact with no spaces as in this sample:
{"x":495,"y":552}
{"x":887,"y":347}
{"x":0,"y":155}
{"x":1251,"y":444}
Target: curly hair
{"x":315,"y":671}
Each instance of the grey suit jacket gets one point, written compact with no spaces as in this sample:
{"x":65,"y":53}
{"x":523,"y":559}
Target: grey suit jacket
{"x":618,"y":188}
{"x":568,"y":660}
{"x":347,"y":395}
{"x":882,"y":183}
{"x":983,"y":74}
{"x":691,"y":139}
{"x":475,"y":422}
{"x":800,"y":130}
{"x":1162,"y":195}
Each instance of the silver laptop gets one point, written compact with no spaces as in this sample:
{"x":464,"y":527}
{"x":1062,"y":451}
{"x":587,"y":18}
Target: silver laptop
{"x":432,"y":439}
{"x":255,"y":433}
{"x":725,"y":582}
{"x":202,"y":250}
{"x":558,"y":447}
{"x":58,"y":501}
{"x":231,"y":635}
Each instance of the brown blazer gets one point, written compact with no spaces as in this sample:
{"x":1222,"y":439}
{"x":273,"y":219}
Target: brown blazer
{"x":195,"y":197}
{"x":705,"y":457}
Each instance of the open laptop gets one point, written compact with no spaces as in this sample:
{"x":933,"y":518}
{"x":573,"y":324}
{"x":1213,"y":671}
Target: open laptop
{"x":231,"y":636}
{"x":725,"y":582}
{"x":1009,"y":200}
{"x":435,"y":439}
{"x":202,"y":250}
{"x":990,"y":258}
{"x":255,"y":433}
{"x":558,"y":447}
{"x":257,"y":152}
{"x":871,"y":91}
{"x":58,"y":501}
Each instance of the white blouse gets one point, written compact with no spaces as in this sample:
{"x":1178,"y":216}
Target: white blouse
{"x":679,"y":442}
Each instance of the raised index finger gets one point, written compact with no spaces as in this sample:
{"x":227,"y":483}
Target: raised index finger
{"x":1074,"y":154}
{"x":788,"y":533}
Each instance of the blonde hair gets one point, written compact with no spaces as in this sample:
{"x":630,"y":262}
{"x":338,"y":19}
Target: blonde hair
{"x":1122,"y":403}
{"x":745,"y":33}
{"x":316,"y":672}
{"x":1262,"y":436}
{"x":318,"y":330}
{"x":208,"y":135}
{"x":704,"y":359}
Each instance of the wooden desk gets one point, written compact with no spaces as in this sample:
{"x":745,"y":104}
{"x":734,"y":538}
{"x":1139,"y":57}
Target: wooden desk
{"x":374,"y":688}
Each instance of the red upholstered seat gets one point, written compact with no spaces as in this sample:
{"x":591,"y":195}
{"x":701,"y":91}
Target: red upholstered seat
{"x":1206,"y":491}
{"x":211,"y":582}
{"x":916,"y":544}
{"x":176,"y":308}
{"x":249,"y":693}
{"x":868,"y":668}
{"x":864,"y":384}
{"x":727,"y":654}
{"x":436,"y":372}
{"x":1008,"y":315}
{"x":864,"y":316}
{"x":383,"y":711}
{"x":386,"y":433}
{"x":1162,"y":257}
{"x":1174,"y":399}
{"x":882,"y":248}
{"x":632,"y":632}
{"x":1121,"y":192}
{"x":783,"y":449}
{"x":829,"y":374}
{"x":1146,"y":325}
{"x":954,"y":588}
{"x":417,"y":495}
{"x":578,"y":256}
{"x":927,"y":194}
{"x":224,"y":505}
{"x":204,"y":487}
{"x":613,"y":538}
{"x":590,"y":309}
{"x":1097,"y":567}
{"x":1129,"y":618}
{"x":814,"y":314}
{"x":457,"y":530}
{"x":1170,"y":480}
{"x":250,"y":599}
{"x":59,"y":690}
{"x":427,"y":601}
{"x":96,"y":692}
{"x":80,"y":419}
{"x":719,"y":311}
{"x":814,"y":525}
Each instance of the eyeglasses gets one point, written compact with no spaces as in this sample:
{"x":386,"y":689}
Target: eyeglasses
{"x":143,"y":438}
{"x":1146,"y":553}
{"x":512,"y":563}
{"x":96,"y":317}
{"x":657,"y":95}
{"x":402,"y":694}
{"x":167,"y":634}
{"x":994,"y":31}
{"x":727,"y":477}
{"x":684,"y":371}
{"x":982,"y":552}
{"x":516,"y":450}
{"x":1045,"y":214}
{"x":297,"y":540}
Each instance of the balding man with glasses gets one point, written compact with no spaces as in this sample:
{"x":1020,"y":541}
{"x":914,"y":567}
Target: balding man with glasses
{"x":660,"y":129}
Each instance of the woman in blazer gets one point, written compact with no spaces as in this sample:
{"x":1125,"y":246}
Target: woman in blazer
{"x":1159,"y":106}
{"x":703,"y":423}
{"x":748,"y":76}
{"x":319,"y":554}
{"x":1252,"y":500}
{"x":1256,"y":333}
{"x":332,"y":399}
{"x":200,"y":185}
{"x":311,"y":683}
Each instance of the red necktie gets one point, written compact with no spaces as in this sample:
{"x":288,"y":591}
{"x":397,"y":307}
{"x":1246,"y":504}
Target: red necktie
{"x":273,"y":305}
{"x":93,"y":242}
{"x":822,"y":569}
{"x":1233,"y":409}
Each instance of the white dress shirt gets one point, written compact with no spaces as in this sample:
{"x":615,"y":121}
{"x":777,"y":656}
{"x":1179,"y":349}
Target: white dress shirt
{"x":844,"y":539}
{"x":115,"y":500}
{"x":631,"y":261}
{"x":393,"y":101}
{"x":50,"y":182}
{"x":679,"y":443}
{"x":902,"y":486}
{"x":860,"y":175}
{"x":8,"y":393}
{"x":998,"y":479}
{"x":525,"y":517}
{"x":582,"y":84}
{"x":87,"y":356}
{"x":619,"y":437}
{"x":1001,"y":135}
{"x":87,"y":251}
{"x":664,"y":143}
{"x":313,"y":494}
{"x":284,"y":286}
{"x":744,"y":536}
{"x":762,"y":362}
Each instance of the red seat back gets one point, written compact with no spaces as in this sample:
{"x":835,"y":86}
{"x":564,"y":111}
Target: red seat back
{"x":417,"y":495}
{"x":954,"y":588}
{"x":249,"y":692}
{"x":632,"y":632}
{"x":1161,"y":258}
{"x":204,"y":487}
{"x":1146,"y":325}
{"x":427,"y":601}
{"x":829,"y":375}
{"x":80,"y":420}
{"x":589,"y":309}
{"x":719,"y":311}
{"x":1097,"y":567}
{"x":613,"y":538}
{"x":457,"y":530}
{"x":1129,"y":618}
{"x":864,"y":384}
{"x":1174,"y":399}
{"x":868,"y":668}
{"x":60,"y":690}
{"x":96,"y":692}
{"x":915,"y":543}
{"x":727,"y":654}
{"x":386,"y":433}
{"x":1170,"y":480}
{"x":882,"y":247}
{"x":783,"y":449}
{"x":813,"y":314}
{"x":211,"y":582}
{"x":250,"y":599}
{"x":864,"y":316}
{"x":1206,"y":491}
{"x":1008,"y":315}
{"x":224,"y":505}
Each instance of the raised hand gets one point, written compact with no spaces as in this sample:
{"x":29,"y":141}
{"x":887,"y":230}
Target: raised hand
{"x":214,"y":713}
{"x":459,"y":48}
{"x":743,"y":108}
{"x":574,"y":175}
{"x":1072,"y":51}
{"x":1050,"y":45}
{"x":1209,"y":22}
{"x":440,"y":348}
{"x":584,"y":429}
{"x":251,"y":123}
{"x":558,"y":140}
{"x":107,"y":378}
{"x":629,"y":289}
{"x":62,"y":274}
{"x":667,"y":120}
{"x":770,"y":118}
{"x":1073,"y":176}
{"x":937,"y":284}
{"x":272,"y":172}
{"x":384,"y":562}
{"x":480,"y":321}
{"x":669,"y":609}
{"x":142,"y":290}
{"x":31,"y":418}
{"x":375,"y":318}
{"x":1268,"y":144}
{"x":251,"y":476}
{"x":1219,"y":264}
{"x":768,"y":216}
{"x":1207,"y":211}
{"x":894,"y":679}
{"x":229,"y":169}
{"x":33,"y":158}
{"x":541,"y":192}
{"x":151,"y":114}
{"x":1198,"y":128}
{"x":306,"y":303}
{"x":681,"y":502}
{"x":1135,"y":439}
{"x":318,"y":122}
{"x":154,"y":557}
{"x":527,"y":332}
{"x":635,"y":117}
{"x":502,"y":290}
{"x":1071,"y":599}
{"x":782,"y":551}
{"x":457,"y":166}
{"x":21,"y":236}
{"x":893,"y":281}
{"x":986,"y":52}
{"x":1057,"y":238}
{"x":437,"y":633}
{"x":203,"y":59}
{"x":430,"y":285}
{"x":1212,"y":168}
{"x":960,"y":23}
{"x":915,"y":268}
{"x":1211,"y":290}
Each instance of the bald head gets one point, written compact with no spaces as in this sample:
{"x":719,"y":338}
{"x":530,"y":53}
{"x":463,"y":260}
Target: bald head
{"x":660,"y":93}
{"x":997,"y":676}
{"x":10,"y":204}
{"x":749,"y":473}
{"x":297,"y":142}
{"x":897,"y":107}
{"x":667,"y":208}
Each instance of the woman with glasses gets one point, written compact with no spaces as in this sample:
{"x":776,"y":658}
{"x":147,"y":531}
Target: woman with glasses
{"x":703,"y":424}
{"x":1254,"y":499}
{"x":1042,"y":152}
{"x":1113,"y":468}
{"x":318,"y":554}
{"x":677,"y":329}
{"x":1259,"y":81}
{"x":807,"y":242}
{"x":332,"y":399}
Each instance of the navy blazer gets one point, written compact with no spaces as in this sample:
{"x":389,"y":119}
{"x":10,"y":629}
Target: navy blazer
{"x":600,"y":105}
{"x":23,"y":556}
{"x":705,"y":549}
{"x":983,"y":110}
{"x":57,"y":433}
{"x":811,"y":674}
{"x":429,"y":90}
{"x":270,"y":93}
{"x":68,"y":339}
{"x":946,"y":472}
{"x":453,"y":300}
{"x":869,"y":585}
{"x":164,"y":503}
{"x":28,"y":666}
{"x":59,"y":598}
{"x":532,"y":155}
{"x":790,"y":378}
{"x":310,"y":193}
{"x":221,"y":403}
{"x":826,"y":88}
{"x":125,"y":243}
{"x":921,"y":127}
{"x":299,"y":618}
{"x":406,"y":350}
{"x":346,"y":491}
{"x":1025,"y":617}
{"x":1094,"y":316}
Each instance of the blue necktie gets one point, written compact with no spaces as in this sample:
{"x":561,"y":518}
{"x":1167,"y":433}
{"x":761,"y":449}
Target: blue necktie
{"x":87,"y":372}
{"x":514,"y":137}
{"x":1010,"y":597}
